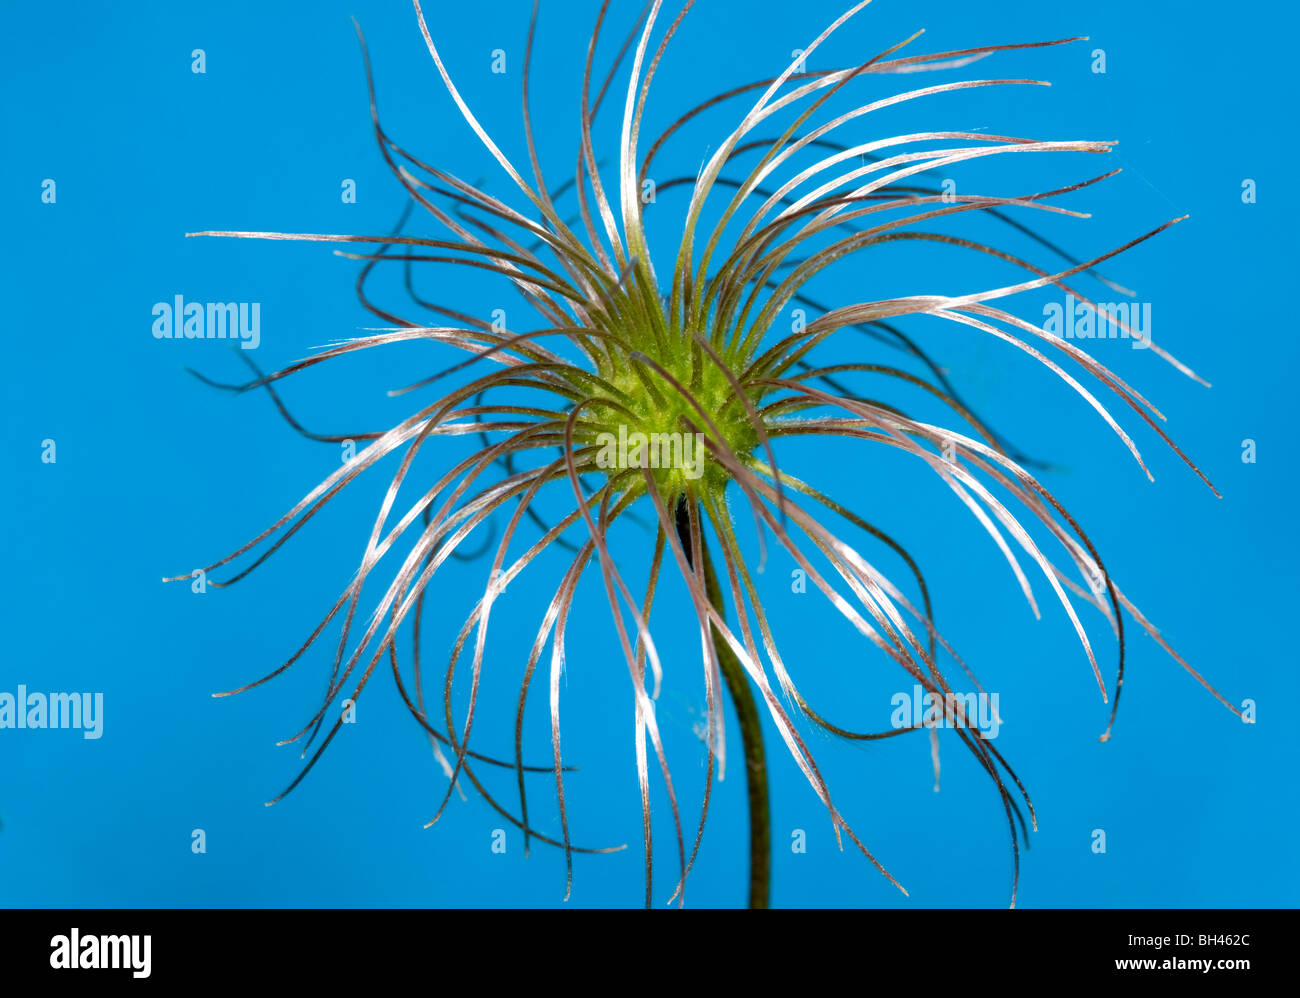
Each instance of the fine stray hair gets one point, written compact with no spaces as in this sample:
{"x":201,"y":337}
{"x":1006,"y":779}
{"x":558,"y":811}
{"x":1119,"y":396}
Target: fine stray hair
{"x":689,"y":349}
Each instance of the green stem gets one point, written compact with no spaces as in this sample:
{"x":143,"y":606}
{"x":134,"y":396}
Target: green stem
{"x":751,"y":732}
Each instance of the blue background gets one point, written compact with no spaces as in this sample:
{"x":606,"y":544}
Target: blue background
{"x":157,"y":473}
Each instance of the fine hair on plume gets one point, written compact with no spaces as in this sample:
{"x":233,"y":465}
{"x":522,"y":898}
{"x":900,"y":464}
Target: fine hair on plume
{"x":663,"y":389}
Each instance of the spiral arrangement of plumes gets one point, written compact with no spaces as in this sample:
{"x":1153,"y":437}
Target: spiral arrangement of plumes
{"x":693,"y":351}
